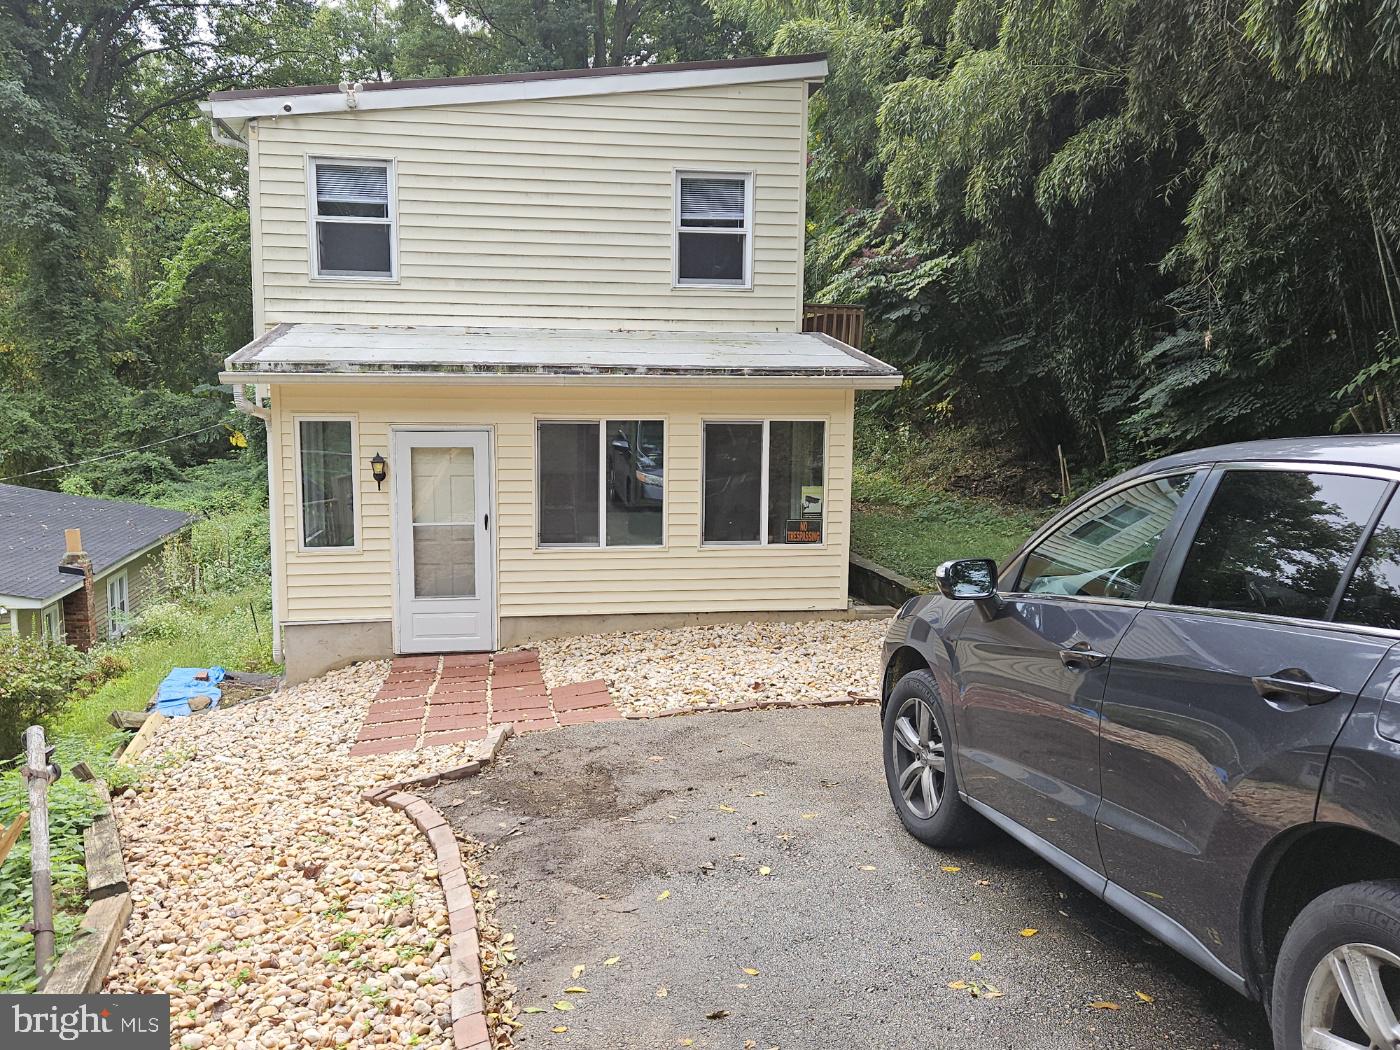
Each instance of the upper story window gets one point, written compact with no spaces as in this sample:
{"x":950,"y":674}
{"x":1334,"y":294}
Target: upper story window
{"x":714,"y":229}
{"x":352,"y":219}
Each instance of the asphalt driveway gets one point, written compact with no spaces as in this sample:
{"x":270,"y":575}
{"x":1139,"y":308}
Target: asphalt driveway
{"x":693,"y":850}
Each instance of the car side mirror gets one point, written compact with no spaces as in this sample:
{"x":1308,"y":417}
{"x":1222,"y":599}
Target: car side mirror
{"x":970,"y":579}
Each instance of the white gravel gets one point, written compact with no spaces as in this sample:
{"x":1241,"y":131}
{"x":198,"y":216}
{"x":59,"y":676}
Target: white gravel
{"x":274,"y":906}
{"x":723,"y":663}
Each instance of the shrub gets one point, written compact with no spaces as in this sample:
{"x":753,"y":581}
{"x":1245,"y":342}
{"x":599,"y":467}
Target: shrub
{"x":36,"y":680}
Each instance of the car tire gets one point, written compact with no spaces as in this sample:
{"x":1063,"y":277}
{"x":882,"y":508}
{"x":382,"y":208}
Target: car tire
{"x":912,"y":764}
{"x":1353,"y":930}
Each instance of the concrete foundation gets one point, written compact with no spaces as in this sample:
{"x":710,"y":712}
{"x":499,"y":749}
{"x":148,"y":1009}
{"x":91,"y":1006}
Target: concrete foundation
{"x":312,"y":649}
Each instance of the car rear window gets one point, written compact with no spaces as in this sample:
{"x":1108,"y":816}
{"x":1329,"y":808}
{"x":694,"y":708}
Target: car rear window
{"x":1276,"y":541}
{"x":1372,"y":596}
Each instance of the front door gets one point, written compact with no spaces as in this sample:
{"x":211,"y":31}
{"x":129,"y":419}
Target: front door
{"x":1033,"y":677}
{"x":444,"y":568}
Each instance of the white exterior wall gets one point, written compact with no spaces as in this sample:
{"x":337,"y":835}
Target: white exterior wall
{"x":540,"y":213}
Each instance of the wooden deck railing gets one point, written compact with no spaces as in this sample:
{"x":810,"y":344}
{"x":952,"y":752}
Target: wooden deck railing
{"x":846,"y":323}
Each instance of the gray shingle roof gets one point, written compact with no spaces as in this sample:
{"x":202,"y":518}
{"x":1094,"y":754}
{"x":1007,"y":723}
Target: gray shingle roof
{"x":31,"y":536}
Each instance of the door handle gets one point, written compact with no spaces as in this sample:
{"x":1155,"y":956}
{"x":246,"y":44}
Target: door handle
{"x":1080,"y":656}
{"x":486,"y":522}
{"x":1294,"y":683}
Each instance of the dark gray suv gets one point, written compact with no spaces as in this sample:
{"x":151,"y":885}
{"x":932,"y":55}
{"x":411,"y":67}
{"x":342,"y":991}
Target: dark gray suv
{"x":1184,"y":692}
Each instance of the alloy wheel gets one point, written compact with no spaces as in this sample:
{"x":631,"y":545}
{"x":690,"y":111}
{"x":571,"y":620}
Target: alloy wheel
{"x":919,"y":761}
{"x":1350,"y":1001}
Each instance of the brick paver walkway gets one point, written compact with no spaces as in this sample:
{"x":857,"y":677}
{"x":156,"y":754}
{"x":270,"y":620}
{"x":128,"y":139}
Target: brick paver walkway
{"x":431,"y":700}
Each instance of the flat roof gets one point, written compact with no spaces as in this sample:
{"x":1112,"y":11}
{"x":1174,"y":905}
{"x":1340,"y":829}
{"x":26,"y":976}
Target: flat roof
{"x":238,"y":106}
{"x":549,"y":356}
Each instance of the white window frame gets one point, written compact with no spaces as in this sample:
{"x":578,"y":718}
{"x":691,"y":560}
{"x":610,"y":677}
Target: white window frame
{"x":601,"y":423}
{"x":116,"y":629}
{"x":356,"y":494}
{"x":313,"y":251}
{"x":51,"y":623}
{"x":762,"y":540}
{"x":676,"y":229}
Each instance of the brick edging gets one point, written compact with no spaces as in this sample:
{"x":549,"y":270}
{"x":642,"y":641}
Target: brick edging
{"x":469,"y":1028}
{"x":849,"y":700}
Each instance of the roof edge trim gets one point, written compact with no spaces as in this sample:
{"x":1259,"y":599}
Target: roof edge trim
{"x":240,"y":106}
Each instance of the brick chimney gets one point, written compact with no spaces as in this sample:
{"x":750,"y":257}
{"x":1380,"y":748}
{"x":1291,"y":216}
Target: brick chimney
{"x":79,"y":608}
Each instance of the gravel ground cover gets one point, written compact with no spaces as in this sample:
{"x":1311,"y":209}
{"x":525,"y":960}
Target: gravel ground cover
{"x":723,"y":663}
{"x":274,"y":906}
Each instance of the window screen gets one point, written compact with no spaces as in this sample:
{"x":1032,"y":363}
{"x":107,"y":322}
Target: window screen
{"x":712,"y":230}
{"x":327,"y":483}
{"x":1104,"y":550}
{"x":1372,"y":596}
{"x":1276,"y":542}
{"x":354,"y":230}
{"x":733,"y":482}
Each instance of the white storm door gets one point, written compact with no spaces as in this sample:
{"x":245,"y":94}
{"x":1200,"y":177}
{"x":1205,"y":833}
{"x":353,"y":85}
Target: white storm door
{"x":445,"y":580}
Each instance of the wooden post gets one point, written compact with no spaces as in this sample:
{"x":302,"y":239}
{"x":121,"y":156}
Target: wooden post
{"x":37,"y":773}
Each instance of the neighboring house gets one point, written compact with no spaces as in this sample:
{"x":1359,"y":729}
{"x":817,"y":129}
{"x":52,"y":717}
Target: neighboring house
{"x":530,"y":352}
{"x":77,"y":569}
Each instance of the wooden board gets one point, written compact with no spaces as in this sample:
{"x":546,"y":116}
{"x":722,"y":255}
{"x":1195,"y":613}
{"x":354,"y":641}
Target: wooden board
{"x":83,"y":967}
{"x":141,"y":740}
{"x":11,"y":836}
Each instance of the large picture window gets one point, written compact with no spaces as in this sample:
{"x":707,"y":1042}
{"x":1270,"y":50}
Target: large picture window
{"x":765,"y":482}
{"x":714,"y":219}
{"x":602,"y":483}
{"x":352,"y":219}
{"x":326,"y":459}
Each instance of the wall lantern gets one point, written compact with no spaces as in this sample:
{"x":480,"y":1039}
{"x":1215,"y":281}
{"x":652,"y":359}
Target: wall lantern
{"x":379,"y":468}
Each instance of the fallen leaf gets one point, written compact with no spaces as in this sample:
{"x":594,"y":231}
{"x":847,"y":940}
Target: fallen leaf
{"x":991,"y":991}
{"x":1029,"y":931}
{"x":957,"y":986}
{"x":717,"y":1015}
{"x":984,"y":882}
{"x":533,"y":1010}
{"x":686,"y":1042}
{"x":666,"y":893}
{"x":975,"y":957}
{"x":757,"y":794}
{"x":560,"y":1029}
{"x":578,"y":971}
{"x":750,"y":971}
{"x":727,"y":809}
{"x":655,"y":758}
{"x":1154,"y":896}
{"x":1104,"y":1004}
{"x":809,"y":816}
{"x":867,"y":867}
{"x":765,"y":870}
{"x":613,"y":961}
{"x":563,"y":1004}
{"x":1144,"y":997}
{"x":662,"y":992}
{"x":576,"y":989}
{"x":951,"y":867}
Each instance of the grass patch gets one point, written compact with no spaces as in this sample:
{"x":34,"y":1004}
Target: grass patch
{"x":195,"y":632}
{"x":906,"y":515}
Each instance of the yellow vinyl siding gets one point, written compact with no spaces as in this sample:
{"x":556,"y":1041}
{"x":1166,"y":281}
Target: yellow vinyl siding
{"x":682,"y":576}
{"x":541,"y":213}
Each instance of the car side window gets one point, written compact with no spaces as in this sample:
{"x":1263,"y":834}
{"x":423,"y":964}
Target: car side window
{"x":1276,"y":542}
{"x":1372,"y":597}
{"x":1104,"y":551}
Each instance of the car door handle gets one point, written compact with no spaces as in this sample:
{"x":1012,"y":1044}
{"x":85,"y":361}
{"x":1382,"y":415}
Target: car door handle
{"x":1081,"y":656}
{"x":1293,"y":683}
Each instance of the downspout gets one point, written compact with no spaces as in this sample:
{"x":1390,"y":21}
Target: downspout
{"x":255,"y":407}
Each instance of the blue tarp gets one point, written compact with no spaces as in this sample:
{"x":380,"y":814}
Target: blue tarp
{"x":180,"y":687}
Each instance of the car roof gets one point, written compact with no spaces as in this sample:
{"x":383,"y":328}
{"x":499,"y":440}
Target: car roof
{"x":1359,"y":450}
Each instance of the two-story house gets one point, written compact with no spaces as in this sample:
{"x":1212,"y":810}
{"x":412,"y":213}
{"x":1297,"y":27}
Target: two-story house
{"x":529,"y":350}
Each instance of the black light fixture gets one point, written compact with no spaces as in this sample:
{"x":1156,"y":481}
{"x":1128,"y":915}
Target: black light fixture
{"x":379,"y":468}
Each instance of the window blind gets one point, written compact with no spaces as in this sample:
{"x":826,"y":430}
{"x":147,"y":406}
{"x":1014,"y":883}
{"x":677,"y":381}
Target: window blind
{"x":708,"y":200}
{"x":352,"y":184}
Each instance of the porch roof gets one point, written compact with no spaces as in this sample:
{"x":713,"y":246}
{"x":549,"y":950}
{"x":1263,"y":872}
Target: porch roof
{"x":551,"y":356}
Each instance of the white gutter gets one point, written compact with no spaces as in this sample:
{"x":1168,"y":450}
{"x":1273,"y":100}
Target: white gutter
{"x":495,"y":379}
{"x":239,"y":110}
